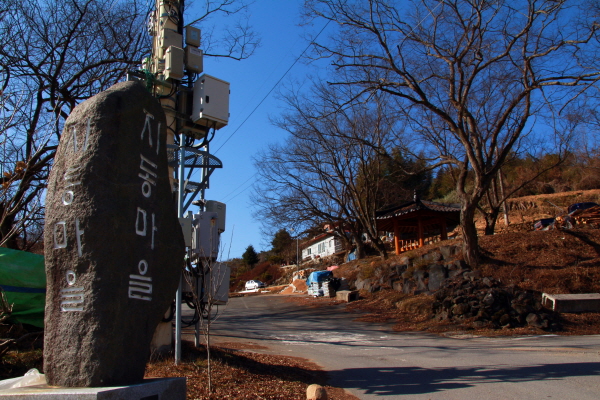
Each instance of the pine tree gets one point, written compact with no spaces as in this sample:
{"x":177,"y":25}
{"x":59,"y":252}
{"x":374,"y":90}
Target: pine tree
{"x":250,"y":257}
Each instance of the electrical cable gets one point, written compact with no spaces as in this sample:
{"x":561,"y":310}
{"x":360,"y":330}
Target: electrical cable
{"x":193,"y":321}
{"x":255,"y":108}
{"x":273,"y":88}
{"x":226,"y":197}
{"x":169,"y":318}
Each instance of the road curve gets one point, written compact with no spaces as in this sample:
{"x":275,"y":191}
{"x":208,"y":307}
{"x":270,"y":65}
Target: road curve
{"x":373,"y":362}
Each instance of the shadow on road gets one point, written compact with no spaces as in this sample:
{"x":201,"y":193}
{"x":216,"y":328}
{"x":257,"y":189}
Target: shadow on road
{"x":414,"y":380}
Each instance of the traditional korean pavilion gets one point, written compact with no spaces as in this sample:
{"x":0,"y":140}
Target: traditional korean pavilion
{"x":418,"y":222}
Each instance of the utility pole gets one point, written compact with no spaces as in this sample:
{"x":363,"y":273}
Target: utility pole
{"x":177,"y":59}
{"x":166,"y":27}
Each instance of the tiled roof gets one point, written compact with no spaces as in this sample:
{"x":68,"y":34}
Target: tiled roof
{"x":416,"y":206}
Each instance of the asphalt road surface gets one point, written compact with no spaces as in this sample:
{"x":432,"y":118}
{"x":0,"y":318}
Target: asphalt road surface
{"x":373,"y":362}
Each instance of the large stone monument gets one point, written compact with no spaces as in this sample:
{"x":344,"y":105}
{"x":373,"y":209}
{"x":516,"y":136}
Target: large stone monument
{"x":113,"y":245}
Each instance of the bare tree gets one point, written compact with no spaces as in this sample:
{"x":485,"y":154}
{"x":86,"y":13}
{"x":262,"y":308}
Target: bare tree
{"x":564,"y":131}
{"x":329,"y":169}
{"x":470,"y":76}
{"x":210,"y":283}
{"x":54,"y":54}
{"x":233,"y":38}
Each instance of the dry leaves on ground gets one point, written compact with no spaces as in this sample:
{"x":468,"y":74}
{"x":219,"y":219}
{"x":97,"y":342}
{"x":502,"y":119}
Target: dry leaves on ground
{"x":239,"y":374}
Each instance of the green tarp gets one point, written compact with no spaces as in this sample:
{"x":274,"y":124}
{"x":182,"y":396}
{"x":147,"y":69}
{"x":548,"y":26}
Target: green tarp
{"x":23,"y":280}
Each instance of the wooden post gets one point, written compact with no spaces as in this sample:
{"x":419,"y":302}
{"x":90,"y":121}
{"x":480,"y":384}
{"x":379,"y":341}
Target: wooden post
{"x":444,"y":235}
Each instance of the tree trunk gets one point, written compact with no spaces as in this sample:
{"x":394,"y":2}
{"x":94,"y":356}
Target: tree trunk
{"x":470,"y":240}
{"x":360,"y":247}
{"x":208,"y":357}
{"x":494,"y":195}
{"x":490,"y":220}
{"x":380,"y":246}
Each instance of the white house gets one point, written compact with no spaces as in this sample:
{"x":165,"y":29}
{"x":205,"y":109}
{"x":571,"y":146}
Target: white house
{"x":323,"y":245}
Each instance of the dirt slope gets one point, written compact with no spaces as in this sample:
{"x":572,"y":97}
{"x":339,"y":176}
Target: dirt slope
{"x":555,"y":261}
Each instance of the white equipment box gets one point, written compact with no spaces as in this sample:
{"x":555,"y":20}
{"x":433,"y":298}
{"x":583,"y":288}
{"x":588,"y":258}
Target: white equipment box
{"x":174,"y":63}
{"x":170,"y":38}
{"x":221,"y":210}
{"x":205,"y":238}
{"x":211,"y":102}
{"x":192,"y":36}
{"x":194,"y":59}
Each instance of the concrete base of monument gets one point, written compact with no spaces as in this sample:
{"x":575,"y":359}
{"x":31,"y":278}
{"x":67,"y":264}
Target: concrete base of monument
{"x":150,"y":389}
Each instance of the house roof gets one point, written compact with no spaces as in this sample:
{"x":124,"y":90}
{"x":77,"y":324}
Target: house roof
{"x":417,"y":205}
{"x":408,"y":215}
{"x":317,"y":239}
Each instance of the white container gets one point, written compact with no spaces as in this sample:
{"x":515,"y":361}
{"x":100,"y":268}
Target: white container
{"x":170,"y":38}
{"x":206,"y":235}
{"x":194,"y":61}
{"x":210,"y":102}
{"x":192,"y":36}
{"x":220,"y":209}
{"x":174,"y":63}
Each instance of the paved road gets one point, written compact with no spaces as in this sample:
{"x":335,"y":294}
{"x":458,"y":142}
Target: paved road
{"x":372,"y":362}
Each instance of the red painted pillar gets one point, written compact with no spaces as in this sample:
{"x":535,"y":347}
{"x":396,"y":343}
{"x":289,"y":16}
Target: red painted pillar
{"x":420,"y":232}
{"x":396,"y":236}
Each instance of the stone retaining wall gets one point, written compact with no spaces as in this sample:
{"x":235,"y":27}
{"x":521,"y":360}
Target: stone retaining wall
{"x":461,"y":294}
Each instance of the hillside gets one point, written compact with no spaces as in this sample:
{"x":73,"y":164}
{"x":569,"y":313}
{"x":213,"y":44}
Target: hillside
{"x":518,"y":262}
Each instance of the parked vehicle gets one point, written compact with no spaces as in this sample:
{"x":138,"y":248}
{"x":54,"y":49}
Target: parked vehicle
{"x":254,"y":284}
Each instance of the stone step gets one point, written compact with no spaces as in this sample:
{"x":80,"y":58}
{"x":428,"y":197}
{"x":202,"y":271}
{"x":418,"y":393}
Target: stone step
{"x":346,"y":295}
{"x":572,"y":303}
{"x":150,"y":389}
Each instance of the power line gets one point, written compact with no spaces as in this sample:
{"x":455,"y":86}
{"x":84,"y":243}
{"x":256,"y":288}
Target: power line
{"x":277,"y":83}
{"x":240,"y":192}
{"x":234,"y":190}
{"x":273,"y":88}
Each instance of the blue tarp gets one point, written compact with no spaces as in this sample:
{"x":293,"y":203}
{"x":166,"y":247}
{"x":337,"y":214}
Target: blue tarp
{"x":318,"y":276}
{"x":351,"y":256}
{"x":544,"y":224}
{"x":580,"y":206}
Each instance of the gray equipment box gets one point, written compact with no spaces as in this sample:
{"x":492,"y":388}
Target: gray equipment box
{"x":216,"y":284}
{"x":186,"y":228}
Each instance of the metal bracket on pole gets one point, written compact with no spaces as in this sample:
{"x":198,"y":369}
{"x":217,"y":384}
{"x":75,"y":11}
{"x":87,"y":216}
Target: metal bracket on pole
{"x":192,"y":159}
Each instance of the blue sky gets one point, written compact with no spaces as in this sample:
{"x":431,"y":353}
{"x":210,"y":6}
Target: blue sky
{"x":277,"y":22}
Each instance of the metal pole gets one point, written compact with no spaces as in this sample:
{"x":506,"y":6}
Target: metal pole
{"x":180,"y":199}
{"x":170,"y":106}
{"x":200,"y":281}
{"x":180,"y":211}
